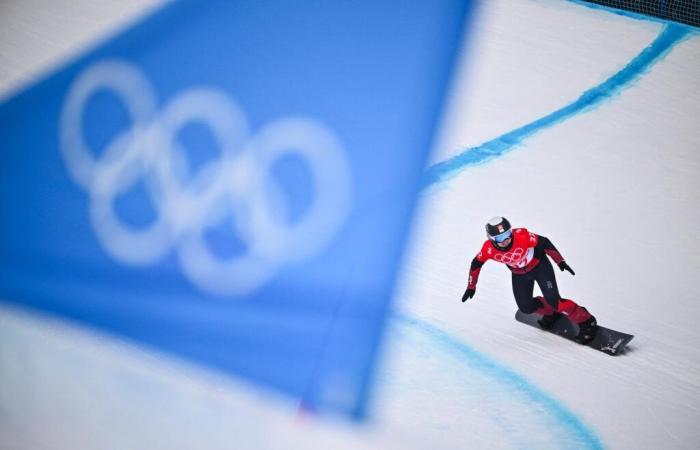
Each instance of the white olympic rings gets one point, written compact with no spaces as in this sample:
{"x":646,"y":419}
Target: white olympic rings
{"x":510,"y":258}
{"x":237,"y":185}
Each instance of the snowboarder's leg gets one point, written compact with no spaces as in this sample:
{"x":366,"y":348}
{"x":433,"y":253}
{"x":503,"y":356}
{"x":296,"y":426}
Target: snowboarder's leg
{"x":549,"y":314}
{"x":523,"y":286}
{"x":577,"y":314}
{"x":581,"y":317}
{"x":544,"y":274}
{"x":522,"y":291}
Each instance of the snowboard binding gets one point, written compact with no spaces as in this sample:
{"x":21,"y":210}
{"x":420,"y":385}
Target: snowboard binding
{"x":586,"y":330}
{"x":548,"y":321}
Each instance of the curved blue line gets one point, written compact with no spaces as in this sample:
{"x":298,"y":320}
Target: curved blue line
{"x":579,"y":435}
{"x":442,"y":171}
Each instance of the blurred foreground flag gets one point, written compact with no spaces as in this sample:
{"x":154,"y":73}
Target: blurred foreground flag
{"x":232,"y":183}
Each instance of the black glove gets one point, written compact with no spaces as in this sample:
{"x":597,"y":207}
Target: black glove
{"x":564,"y":266}
{"x":469,"y":293}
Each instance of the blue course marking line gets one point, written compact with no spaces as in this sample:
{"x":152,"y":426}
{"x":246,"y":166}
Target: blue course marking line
{"x":445,"y":170}
{"x":578,"y":434}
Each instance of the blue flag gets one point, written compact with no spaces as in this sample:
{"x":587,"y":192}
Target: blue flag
{"x":231,"y":182}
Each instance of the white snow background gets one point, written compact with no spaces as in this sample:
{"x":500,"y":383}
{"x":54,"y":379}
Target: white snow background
{"x":614,"y":185}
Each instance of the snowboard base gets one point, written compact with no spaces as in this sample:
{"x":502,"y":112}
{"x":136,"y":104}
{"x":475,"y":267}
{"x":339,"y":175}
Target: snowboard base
{"x":606,"y":340}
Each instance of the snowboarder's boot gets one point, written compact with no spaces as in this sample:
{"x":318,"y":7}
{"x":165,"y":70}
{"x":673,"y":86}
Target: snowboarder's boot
{"x":587,"y":330}
{"x":546,"y":322}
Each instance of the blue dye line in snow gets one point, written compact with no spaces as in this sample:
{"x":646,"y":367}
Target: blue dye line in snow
{"x":579,"y":436}
{"x":443,"y":171}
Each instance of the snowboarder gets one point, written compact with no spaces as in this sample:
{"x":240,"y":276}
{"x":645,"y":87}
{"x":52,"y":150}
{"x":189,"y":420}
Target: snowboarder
{"x":525,"y":254}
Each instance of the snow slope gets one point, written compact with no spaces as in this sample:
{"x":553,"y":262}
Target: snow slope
{"x":611,"y":178}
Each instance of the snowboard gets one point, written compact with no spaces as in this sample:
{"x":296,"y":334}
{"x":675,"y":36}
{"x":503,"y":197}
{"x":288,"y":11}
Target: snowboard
{"x":606,"y":340}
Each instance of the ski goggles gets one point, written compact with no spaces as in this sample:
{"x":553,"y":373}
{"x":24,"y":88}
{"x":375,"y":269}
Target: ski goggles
{"x":502,"y":237}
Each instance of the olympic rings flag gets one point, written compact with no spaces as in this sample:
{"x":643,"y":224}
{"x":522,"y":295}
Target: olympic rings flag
{"x":147,"y":150}
{"x":231,"y":184}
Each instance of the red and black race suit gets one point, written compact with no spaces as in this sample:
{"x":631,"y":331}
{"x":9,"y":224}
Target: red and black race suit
{"x":526,"y":257}
{"x":524,"y":253}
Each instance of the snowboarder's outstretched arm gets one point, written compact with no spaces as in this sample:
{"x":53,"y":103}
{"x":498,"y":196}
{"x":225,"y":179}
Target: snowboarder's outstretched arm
{"x":550,"y":250}
{"x":474,"y":270}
